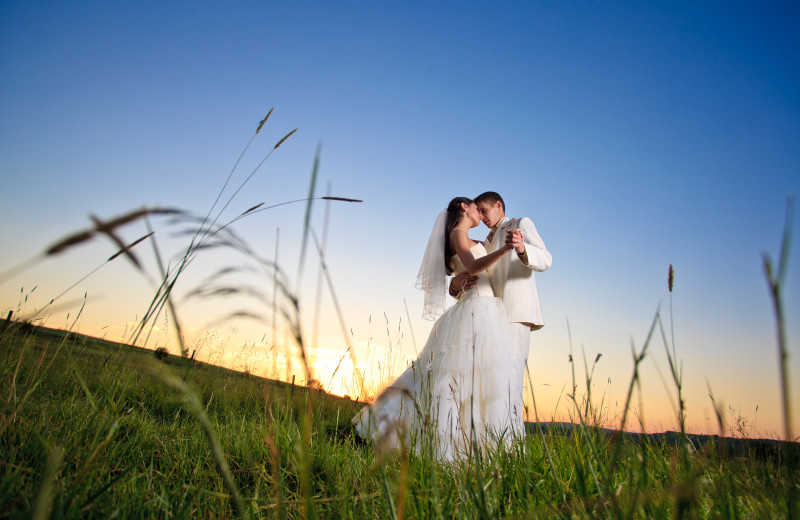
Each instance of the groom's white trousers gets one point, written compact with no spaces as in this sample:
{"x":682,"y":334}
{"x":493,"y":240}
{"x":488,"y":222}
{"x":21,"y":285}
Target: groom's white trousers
{"x":521,"y":335}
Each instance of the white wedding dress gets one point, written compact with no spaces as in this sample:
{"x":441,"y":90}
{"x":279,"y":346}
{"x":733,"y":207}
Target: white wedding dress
{"x":456,"y":395}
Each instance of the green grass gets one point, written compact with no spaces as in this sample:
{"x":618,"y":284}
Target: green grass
{"x":110,"y":431}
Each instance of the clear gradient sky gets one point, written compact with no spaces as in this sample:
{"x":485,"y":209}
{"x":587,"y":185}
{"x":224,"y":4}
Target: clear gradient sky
{"x":635,"y":135}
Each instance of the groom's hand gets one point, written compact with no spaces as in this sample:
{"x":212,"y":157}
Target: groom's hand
{"x":463,"y":281}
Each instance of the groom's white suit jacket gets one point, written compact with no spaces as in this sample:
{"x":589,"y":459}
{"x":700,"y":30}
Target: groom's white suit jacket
{"x":513,"y":281}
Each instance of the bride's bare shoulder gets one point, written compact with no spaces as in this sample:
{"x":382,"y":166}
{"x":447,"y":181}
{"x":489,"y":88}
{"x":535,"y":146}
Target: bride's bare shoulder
{"x":459,"y":237}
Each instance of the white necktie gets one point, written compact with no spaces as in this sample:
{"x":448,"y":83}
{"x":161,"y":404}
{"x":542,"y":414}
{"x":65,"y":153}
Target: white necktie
{"x":491,"y":234}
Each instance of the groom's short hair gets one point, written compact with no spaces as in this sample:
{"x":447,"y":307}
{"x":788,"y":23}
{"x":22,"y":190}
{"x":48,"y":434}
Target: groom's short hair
{"x":491,"y":197}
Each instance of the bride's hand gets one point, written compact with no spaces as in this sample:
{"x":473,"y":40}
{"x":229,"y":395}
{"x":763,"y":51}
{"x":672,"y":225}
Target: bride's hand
{"x":513,"y":239}
{"x":509,"y":242}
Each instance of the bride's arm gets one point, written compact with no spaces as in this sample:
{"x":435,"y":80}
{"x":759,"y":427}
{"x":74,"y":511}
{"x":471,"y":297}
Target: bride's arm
{"x":461,"y":244}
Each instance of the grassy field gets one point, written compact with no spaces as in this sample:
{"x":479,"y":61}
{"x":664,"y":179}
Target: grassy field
{"x":94,"y":429}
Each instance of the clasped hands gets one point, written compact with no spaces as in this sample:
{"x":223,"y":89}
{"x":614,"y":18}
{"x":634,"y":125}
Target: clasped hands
{"x":515,"y":240}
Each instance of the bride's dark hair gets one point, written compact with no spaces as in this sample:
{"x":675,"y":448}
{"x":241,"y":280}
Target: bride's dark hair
{"x":454,"y":215}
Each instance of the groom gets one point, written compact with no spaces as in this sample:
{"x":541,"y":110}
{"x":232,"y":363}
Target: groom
{"x":513,"y":282}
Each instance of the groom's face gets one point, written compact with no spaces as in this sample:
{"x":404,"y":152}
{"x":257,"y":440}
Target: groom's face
{"x":490,"y":213}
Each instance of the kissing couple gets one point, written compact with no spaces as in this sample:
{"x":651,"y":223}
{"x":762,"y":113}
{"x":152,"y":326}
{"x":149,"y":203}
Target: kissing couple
{"x":464,"y":391}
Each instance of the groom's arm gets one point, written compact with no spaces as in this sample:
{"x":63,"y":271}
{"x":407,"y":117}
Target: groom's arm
{"x":463,"y":281}
{"x":535,"y":255}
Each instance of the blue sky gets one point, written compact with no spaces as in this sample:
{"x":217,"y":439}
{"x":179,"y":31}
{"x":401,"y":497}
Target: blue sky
{"x":635,"y":135}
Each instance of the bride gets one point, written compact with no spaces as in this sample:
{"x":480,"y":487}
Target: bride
{"x":455,"y":397}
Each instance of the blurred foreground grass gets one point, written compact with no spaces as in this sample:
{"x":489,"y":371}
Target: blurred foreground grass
{"x":94,"y":429}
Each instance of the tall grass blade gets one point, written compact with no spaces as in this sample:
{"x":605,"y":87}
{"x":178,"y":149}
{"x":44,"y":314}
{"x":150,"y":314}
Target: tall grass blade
{"x":550,"y":462}
{"x":775,"y":282}
{"x":307,"y":218}
{"x":167,"y":293}
{"x":274,"y":297}
{"x":126,"y":249}
{"x":340,"y":315}
{"x":387,"y":494}
{"x":47,"y":492}
{"x":410,"y":328}
{"x":195,"y":407}
{"x":320,"y":274}
{"x":637,"y":359}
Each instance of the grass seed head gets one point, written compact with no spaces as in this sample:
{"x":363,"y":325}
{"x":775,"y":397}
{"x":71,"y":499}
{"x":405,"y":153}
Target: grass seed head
{"x":69,"y":241}
{"x":671,"y":277}
{"x":261,"y":124}
{"x":344,"y":199}
{"x":287,"y":136}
